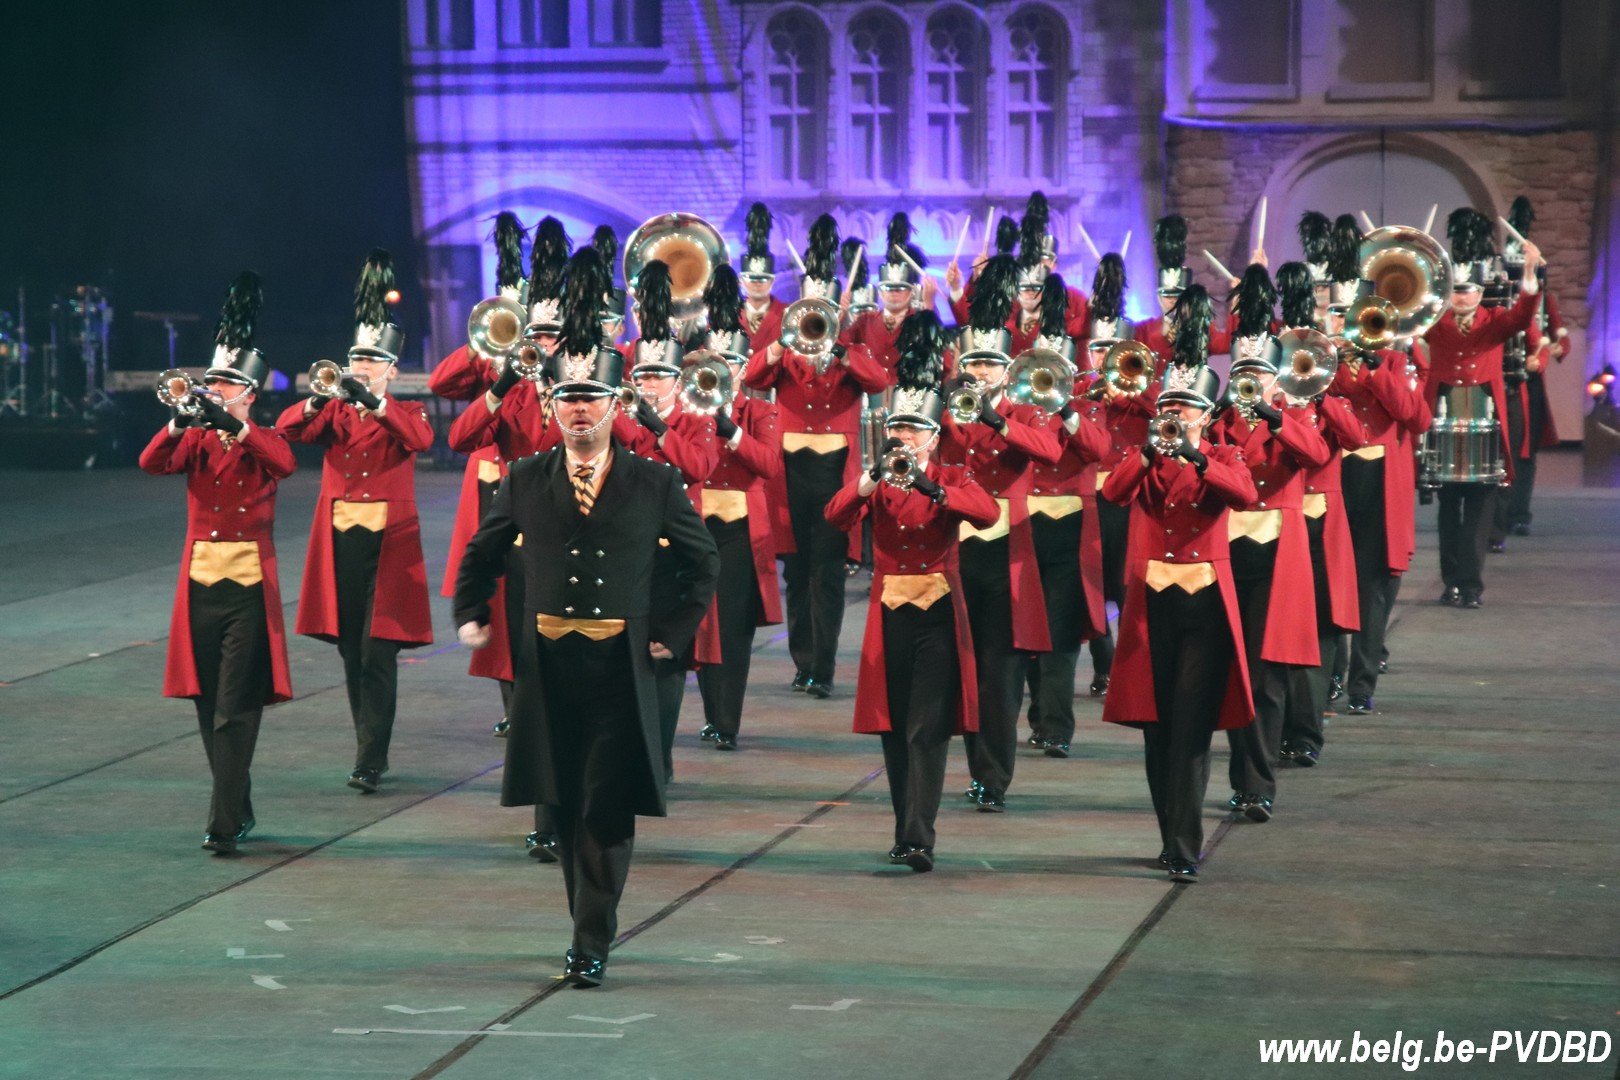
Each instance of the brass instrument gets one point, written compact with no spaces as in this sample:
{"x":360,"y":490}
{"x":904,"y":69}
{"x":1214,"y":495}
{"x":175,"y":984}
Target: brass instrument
{"x":628,"y":397}
{"x":810,"y":328}
{"x":965,"y":403}
{"x":495,"y":327}
{"x":706,"y":387}
{"x":1308,"y":364}
{"x":1167,"y":433}
{"x":874,"y":426}
{"x":326,"y":380}
{"x":899,"y":467}
{"x":1410,"y":269}
{"x":1244,"y":392}
{"x":689,"y":246}
{"x":525,"y":359}
{"x":181,"y":391}
{"x":1128,"y":367}
{"x":1042,"y":378}
{"x":1370,"y":323}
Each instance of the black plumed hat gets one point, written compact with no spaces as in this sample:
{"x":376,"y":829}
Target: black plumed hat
{"x":1315,"y":236}
{"x":1108,"y":288}
{"x":509,"y":236}
{"x":375,"y":334}
{"x":1296,"y":290}
{"x":235,"y":358}
{"x":1256,"y":297}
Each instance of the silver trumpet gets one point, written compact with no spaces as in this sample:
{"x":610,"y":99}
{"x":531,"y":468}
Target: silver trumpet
{"x":1243,"y":393}
{"x":326,"y":380}
{"x":900,"y":468}
{"x":965,"y":403}
{"x":706,"y":387}
{"x":181,"y":391}
{"x":1042,"y":378}
{"x":810,"y":328}
{"x":1167,"y":433}
{"x":495,"y":327}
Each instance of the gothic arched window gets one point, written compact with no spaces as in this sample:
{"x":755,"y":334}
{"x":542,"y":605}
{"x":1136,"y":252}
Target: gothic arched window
{"x":956,"y":70}
{"x":795,"y":102}
{"x":1037,"y":62}
{"x":877,"y":110}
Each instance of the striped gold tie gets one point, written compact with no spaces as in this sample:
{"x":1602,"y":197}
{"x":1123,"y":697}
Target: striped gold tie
{"x":582,"y":488}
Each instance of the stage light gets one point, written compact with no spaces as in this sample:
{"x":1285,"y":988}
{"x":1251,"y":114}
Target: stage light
{"x":392,"y":296}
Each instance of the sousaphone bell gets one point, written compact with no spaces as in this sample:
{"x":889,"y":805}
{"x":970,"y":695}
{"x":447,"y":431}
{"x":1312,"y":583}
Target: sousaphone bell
{"x":689,"y":246}
{"x":1410,"y":269}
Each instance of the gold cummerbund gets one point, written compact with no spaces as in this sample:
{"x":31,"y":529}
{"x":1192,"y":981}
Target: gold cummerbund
{"x":919,"y":590}
{"x":366,"y":515}
{"x":1192,"y":577}
{"x":726,"y":505}
{"x":1315,"y":504}
{"x":822,"y":443}
{"x":1001,"y":528}
{"x":1055,"y":506}
{"x":489,"y":472}
{"x":1102,"y":478}
{"x":1261,"y":526}
{"x":1366,"y":453}
{"x":552,"y":627}
{"x":213,"y":561}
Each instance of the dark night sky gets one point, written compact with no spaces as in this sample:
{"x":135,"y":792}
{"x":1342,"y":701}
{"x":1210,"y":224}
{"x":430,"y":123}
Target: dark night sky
{"x":156,"y":148}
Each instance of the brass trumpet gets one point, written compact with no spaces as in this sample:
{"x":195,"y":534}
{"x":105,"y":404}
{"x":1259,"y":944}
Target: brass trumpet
{"x":965,"y":403}
{"x":628,"y":397}
{"x":899,"y":467}
{"x":1042,"y":378}
{"x":1370,"y":323}
{"x":526,"y":359}
{"x":326,"y":380}
{"x":1128,"y":367}
{"x":180,"y":391}
{"x":495,"y":327}
{"x":1168,"y":433}
{"x":1308,"y":363}
{"x":706,"y":387}
{"x":810,"y":328}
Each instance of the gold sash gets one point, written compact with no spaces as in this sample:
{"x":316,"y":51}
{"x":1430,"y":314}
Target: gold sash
{"x":1261,"y":526}
{"x":489,"y":472}
{"x":1002,"y":526}
{"x":367,"y":515}
{"x":213,"y":561}
{"x":1101,"y":477}
{"x":726,"y":505}
{"x":1366,"y":453}
{"x":822,"y":443}
{"x":1315,"y":504}
{"x":1056,"y":506}
{"x":921,"y":590}
{"x":1192,"y":577}
{"x":552,"y":627}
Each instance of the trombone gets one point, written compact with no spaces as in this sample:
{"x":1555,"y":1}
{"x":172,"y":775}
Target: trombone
{"x":965,"y":403}
{"x":1370,"y":324}
{"x":1309,"y":362}
{"x":810,"y":328}
{"x":706,"y":387}
{"x":1243,"y":392}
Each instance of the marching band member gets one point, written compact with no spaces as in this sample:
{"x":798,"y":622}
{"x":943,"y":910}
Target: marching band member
{"x":227,"y":646}
{"x":1037,"y":258}
{"x":916,"y":685}
{"x":365,"y":585}
{"x":1180,"y":670}
{"x":1181,"y":302}
{"x":897,"y":298}
{"x":1000,"y":572}
{"x":1268,"y":546}
{"x":585,"y":736}
{"x":1466,"y":351}
{"x":858,"y":297}
{"x":1125,"y":417}
{"x":735,"y":513}
{"x":762,"y":312}
{"x":1316,"y":240}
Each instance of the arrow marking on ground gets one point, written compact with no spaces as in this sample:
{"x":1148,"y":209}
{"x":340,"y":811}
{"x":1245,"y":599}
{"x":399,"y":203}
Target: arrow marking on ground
{"x":239,"y":953}
{"x":840,"y":1005}
{"x":717,"y":958}
{"x":408,"y":1011}
{"x":483,"y":1031}
{"x":609,"y":1020}
{"x":268,"y":982}
{"x":761,"y":939}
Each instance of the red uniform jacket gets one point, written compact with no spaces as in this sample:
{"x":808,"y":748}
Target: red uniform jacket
{"x":1539,"y":345}
{"x":461,"y":376}
{"x":1340,"y":429}
{"x":1075,"y":473}
{"x":870,"y":330}
{"x":1475,"y":358}
{"x":757,"y":459}
{"x":368,"y":459}
{"x":829,"y":403}
{"x":1127,"y":417}
{"x":913,"y":535}
{"x":1277,"y":462}
{"x":231,"y":497}
{"x":1003,"y":465}
{"x":1177,"y":516}
{"x":1391,"y":412}
{"x":767,"y":329}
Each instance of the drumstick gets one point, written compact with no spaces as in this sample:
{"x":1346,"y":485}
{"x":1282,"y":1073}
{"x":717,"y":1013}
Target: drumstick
{"x":857,"y":262}
{"x":1223,"y":271}
{"x":1429,"y":224}
{"x":1260,"y":233}
{"x":1126,"y":246}
{"x":1095,"y":254}
{"x":1367,"y":221}
{"x":961,"y":238}
{"x":796,"y":260}
{"x":1515,"y":233}
{"x":989,"y":221}
{"x":906,"y":255}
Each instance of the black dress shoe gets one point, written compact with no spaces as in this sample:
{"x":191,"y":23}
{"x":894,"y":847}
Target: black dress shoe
{"x":245,"y":828}
{"x":1451,"y":596}
{"x":897,"y":854}
{"x":542,"y":848}
{"x":500,"y":729}
{"x":1498,"y":547}
{"x":1521,"y":529}
{"x":818,"y":688}
{"x":1258,"y":809}
{"x":920,"y":859}
{"x":1099,"y":686}
{"x":1036,"y":741}
{"x":1335,"y":688}
{"x":1383,"y":667}
{"x":582,"y":971}
{"x":219,"y":845}
{"x":365,"y":781}
{"x":1360,"y":704}
{"x":709,"y":733}
{"x":1471,"y":598}
{"x":800,"y":681}
{"x":1183,"y":871}
{"x":975,"y":789}
{"x":725,"y":742}
{"x":1164,"y":860}
{"x":991,"y":804}
{"x":1299,"y":757}
{"x":1057,"y":749}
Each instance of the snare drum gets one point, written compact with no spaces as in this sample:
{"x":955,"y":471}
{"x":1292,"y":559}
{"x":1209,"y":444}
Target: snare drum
{"x":1464,"y":445}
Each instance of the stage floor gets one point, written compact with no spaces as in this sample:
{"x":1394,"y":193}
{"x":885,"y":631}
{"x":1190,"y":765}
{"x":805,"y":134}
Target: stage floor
{"x":1453,"y":865}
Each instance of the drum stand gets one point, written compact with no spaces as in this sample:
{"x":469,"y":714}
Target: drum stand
{"x":14,"y":369}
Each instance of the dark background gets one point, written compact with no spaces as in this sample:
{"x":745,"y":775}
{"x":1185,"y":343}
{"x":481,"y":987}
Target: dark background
{"x":156,"y":147}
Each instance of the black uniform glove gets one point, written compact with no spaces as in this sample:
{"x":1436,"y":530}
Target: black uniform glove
{"x":889,"y":446}
{"x":1269,"y":413}
{"x":724,"y":425}
{"x":1371,"y":360}
{"x":359,"y":394}
{"x":509,"y":378}
{"x":316,"y":403}
{"x":988,"y":416}
{"x":924,"y":486}
{"x":1189,"y":452}
{"x":215,"y":416}
{"x":838,"y":351}
{"x":1067,"y":410}
{"x":648,"y":417}
{"x":179,"y":419}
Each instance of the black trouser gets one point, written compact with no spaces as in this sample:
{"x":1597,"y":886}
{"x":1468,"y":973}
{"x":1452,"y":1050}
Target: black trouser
{"x":1113,"y":521}
{"x":1466,"y":513}
{"x":987,"y":590}
{"x":669,"y":676}
{"x":920,"y":667}
{"x":739,"y":608}
{"x":1513,"y":505}
{"x":1253,"y":765}
{"x":1192,"y":653}
{"x":814,"y":574}
{"x":1376,"y":586}
{"x":230,"y":645}
{"x":1051,"y":674}
{"x":591,"y":707}
{"x":370,"y":664}
{"x":1308,"y":686}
